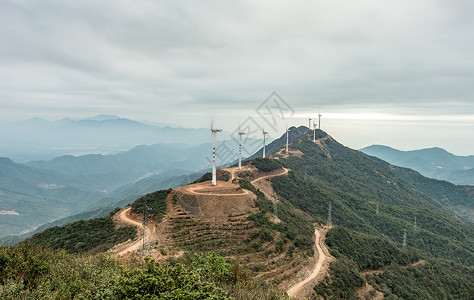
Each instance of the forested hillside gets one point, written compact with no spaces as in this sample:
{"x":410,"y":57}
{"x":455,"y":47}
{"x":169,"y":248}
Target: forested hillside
{"x":28,"y":271}
{"x":85,"y":236}
{"x":460,"y":198}
{"x":379,"y":207}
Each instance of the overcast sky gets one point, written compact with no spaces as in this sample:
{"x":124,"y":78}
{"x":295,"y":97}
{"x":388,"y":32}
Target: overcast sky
{"x":399,"y":73}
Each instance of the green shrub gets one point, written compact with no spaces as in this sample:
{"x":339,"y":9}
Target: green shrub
{"x":155,"y":204}
{"x":266,"y":164}
{"x":342,"y":284}
{"x":86,"y":236}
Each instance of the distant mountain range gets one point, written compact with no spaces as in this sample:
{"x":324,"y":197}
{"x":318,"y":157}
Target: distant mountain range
{"x":48,"y":185}
{"x":43,"y":191}
{"x":432,"y":162}
{"x":38,"y":138}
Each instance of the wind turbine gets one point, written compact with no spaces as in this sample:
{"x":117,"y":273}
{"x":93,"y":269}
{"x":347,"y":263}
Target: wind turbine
{"x":287,"y":138}
{"x":314,"y":132}
{"x":264,"y":133}
{"x":240,"y":148}
{"x":309,"y":124}
{"x":214,"y":132}
{"x":319,"y":120}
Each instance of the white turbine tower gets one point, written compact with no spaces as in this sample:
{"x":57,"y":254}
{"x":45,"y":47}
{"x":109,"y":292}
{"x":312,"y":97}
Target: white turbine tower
{"x":264,"y":133}
{"x":214,"y":132}
{"x":319,"y":120}
{"x":314,"y":132}
{"x":286,"y":138}
{"x":240,"y":148}
{"x":309,"y":124}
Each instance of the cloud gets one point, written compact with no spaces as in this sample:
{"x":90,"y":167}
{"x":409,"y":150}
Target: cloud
{"x":139,"y":57}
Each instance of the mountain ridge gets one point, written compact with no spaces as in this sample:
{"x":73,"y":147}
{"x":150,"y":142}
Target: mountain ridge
{"x":433,"y":162}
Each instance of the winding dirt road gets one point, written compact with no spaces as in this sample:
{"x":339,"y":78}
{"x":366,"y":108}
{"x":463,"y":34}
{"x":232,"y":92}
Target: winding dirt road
{"x":296,"y":289}
{"x":272,"y":175}
{"x":135,"y":245}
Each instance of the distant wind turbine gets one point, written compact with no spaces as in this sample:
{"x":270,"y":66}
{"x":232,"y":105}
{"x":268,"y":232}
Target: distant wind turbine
{"x":240,"y":148}
{"x":319,"y":120}
{"x":314,"y":132}
{"x":264,"y":133}
{"x":309,"y":124}
{"x":214,"y":132}
{"x":287,"y":138}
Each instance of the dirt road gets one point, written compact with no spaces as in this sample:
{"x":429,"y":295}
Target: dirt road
{"x":222,"y":188}
{"x":285,"y":171}
{"x":135,"y":245}
{"x":296,"y":289}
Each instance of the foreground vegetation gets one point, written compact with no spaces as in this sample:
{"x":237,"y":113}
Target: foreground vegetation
{"x":29,"y":271}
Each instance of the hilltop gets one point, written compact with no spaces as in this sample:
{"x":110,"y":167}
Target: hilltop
{"x":268,"y":216}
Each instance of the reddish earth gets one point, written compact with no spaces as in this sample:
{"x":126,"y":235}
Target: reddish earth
{"x":200,"y":213}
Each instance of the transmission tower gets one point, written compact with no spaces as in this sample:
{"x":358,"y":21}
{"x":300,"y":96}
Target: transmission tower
{"x":404,"y":244}
{"x":329,"y":215}
{"x":145,"y":221}
{"x":377,"y":209}
{"x":414,"y":224}
{"x":275,"y":207}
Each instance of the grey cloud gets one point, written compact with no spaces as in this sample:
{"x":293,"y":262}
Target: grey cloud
{"x":231,"y":55}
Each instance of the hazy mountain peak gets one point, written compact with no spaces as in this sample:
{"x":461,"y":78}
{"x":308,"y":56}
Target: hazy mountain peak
{"x":6,"y":160}
{"x":103,"y":117}
{"x":434,"y":162}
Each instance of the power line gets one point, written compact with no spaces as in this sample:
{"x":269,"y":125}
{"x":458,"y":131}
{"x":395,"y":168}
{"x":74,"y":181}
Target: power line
{"x":36,"y":171}
{"x":41,"y":198}
{"x":36,"y":203}
{"x":44,"y":198}
{"x":2,"y":196}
